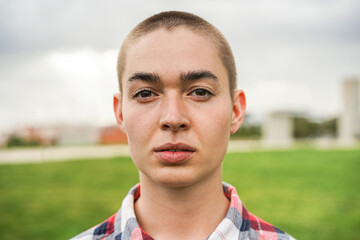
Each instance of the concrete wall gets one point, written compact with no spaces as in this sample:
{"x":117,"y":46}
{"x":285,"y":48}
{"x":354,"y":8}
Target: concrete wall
{"x":79,"y":136}
{"x":349,"y":124}
{"x":278,"y":129}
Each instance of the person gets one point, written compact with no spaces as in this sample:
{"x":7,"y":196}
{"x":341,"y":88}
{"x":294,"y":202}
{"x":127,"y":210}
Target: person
{"x":178,"y":105}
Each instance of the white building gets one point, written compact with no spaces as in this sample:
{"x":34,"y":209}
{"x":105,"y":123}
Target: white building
{"x":349,"y":124}
{"x":79,"y":135}
{"x":278,"y":129}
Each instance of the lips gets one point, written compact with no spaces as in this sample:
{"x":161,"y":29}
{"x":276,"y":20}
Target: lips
{"x":174,"y":153}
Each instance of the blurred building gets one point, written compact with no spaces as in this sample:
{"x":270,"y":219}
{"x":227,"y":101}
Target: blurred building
{"x":44,"y":135}
{"x":78,"y":135}
{"x":349,"y":124}
{"x":112,"y":135}
{"x":278,"y":129}
{"x":3,"y":139}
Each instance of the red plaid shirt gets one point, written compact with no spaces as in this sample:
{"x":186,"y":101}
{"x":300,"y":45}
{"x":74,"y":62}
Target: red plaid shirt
{"x":238,"y":223}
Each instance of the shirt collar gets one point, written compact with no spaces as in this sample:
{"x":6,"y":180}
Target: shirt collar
{"x":235,"y":221}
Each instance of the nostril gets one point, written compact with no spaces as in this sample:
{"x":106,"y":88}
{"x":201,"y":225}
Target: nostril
{"x":175,"y":127}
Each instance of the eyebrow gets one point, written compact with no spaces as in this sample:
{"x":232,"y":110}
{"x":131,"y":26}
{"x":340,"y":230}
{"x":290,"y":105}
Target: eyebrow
{"x":144,"y":76}
{"x":197,"y":75}
{"x":184,"y":77}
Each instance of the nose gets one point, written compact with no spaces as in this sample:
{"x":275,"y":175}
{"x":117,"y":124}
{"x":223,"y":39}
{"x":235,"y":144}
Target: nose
{"x":173,"y":114}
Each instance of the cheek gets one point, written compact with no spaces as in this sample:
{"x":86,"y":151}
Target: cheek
{"x":214,"y":126}
{"x":139,"y":125}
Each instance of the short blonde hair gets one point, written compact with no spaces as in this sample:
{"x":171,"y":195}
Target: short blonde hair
{"x":171,"y":20}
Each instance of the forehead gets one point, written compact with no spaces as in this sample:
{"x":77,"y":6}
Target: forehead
{"x":168,"y":53}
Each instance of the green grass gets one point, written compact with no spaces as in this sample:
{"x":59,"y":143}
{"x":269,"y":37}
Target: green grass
{"x":310,"y":194}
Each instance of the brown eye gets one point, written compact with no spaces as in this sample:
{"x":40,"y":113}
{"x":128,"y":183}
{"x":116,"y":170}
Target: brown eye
{"x":201,"y":94}
{"x":144,"y":95}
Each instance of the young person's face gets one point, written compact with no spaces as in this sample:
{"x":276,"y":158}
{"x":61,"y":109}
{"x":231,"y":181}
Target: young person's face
{"x":176,"y":107}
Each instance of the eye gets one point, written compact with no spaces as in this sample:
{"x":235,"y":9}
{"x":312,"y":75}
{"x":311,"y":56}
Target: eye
{"x":144,"y":95}
{"x":201,"y":94}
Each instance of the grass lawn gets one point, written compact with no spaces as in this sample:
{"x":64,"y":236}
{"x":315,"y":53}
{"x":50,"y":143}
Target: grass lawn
{"x":310,"y":194}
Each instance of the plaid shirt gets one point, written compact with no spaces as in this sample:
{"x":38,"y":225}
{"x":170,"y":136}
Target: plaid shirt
{"x":238,"y":223}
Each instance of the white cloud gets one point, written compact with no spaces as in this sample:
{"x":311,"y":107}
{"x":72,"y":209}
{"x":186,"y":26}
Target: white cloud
{"x":60,"y":87}
{"x":264,"y":96}
{"x":58,"y":59}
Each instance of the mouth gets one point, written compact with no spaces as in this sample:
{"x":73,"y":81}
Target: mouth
{"x":175,"y":147}
{"x":174,"y":153}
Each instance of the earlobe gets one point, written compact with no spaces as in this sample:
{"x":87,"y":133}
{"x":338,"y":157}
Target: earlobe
{"x":239,"y":108}
{"x":118,"y":111}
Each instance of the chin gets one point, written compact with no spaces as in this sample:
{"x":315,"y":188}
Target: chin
{"x":175,"y":184}
{"x":175,"y":179}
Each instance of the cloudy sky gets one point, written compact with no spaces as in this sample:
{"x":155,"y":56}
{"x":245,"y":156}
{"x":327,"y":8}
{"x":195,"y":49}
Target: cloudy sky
{"x":57,"y":58}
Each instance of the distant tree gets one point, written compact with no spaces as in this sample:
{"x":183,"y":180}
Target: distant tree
{"x":18,"y":141}
{"x":305,"y":128}
{"x":248,"y":131}
{"x":329,"y":127}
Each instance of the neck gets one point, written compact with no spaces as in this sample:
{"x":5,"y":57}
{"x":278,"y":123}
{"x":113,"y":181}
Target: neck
{"x":187,"y":212}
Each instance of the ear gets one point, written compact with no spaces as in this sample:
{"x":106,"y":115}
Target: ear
{"x":239,"y":107}
{"x":118,"y":111}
